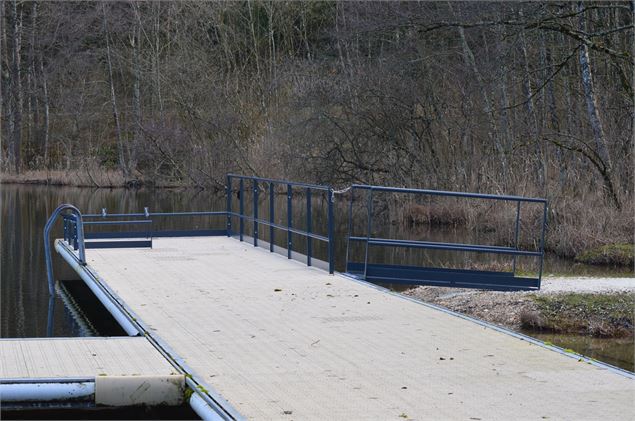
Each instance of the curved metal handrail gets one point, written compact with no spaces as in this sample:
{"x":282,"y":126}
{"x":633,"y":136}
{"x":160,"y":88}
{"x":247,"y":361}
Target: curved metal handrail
{"x":47,"y":242}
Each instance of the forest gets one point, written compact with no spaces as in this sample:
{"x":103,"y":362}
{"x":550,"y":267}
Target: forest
{"x":528,"y":98}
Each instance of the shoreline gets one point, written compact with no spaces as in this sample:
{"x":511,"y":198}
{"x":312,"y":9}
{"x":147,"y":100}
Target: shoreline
{"x":562,"y":306}
{"x":82,"y":179}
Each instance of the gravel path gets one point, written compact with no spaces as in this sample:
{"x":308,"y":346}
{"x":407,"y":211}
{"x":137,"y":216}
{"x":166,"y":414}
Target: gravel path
{"x":586,"y":284}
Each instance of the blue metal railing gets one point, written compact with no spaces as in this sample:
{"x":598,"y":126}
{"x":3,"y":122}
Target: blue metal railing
{"x":74,"y":233}
{"x":271,"y":184}
{"x":442,"y":276}
{"x":75,"y":223}
{"x":77,"y":236}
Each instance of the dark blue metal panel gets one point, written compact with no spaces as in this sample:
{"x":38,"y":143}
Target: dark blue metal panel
{"x":228,"y":209}
{"x":118,"y":244}
{"x":272,"y":233}
{"x":289,"y":221}
{"x":309,"y":228}
{"x":331,"y":238}
{"x":255,"y":187}
{"x":459,"y":278}
{"x":241,"y":196}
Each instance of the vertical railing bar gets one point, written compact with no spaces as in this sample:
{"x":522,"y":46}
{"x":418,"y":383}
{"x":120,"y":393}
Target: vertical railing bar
{"x":289,"y":221}
{"x":79,"y":239}
{"x":75,"y":245}
{"x":241,"y":195}
{"x":516,"y":233}
{"x":350,"y":227}
{"x":255,"y":212}
{"x":370,"y":227}
{"x":542,"y":241}
{"x":309,"y":244}
{"x":331,"y":223}
{"x":229,"y":205}
{"x":271,"y":217}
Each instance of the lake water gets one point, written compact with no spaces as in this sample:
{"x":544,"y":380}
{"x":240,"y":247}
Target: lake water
{"x":23,"y":287}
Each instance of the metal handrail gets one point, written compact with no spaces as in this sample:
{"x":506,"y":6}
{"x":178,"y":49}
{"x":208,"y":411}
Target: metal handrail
{"x":450,"y":193}
{"x":278,"y":181}
{"x":387,"y":242}
{"x":290,"y":230}
{"x":47,"y":246}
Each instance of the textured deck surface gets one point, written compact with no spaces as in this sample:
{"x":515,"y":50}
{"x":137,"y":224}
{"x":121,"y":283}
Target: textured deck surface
{"x":61,"y":358}
{"x":283,"y":341}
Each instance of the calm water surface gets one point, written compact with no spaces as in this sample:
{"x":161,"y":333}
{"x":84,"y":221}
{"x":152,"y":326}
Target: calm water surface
{"x":24,"y":292}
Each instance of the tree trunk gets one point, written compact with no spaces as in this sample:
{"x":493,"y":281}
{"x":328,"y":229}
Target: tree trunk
{"x":16,"y":88}
{"x":113,"y":102}
{"x":45,"y":92}
{"x":593,"y":112}
{"x":32,"y":79}
{"x":5,"y":65}
{"x":136,"y":89}
{"x":531,"y":114}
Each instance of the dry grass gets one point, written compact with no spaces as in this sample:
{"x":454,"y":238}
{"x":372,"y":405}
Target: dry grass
{"x":95,"y":177}
{"x":433,"y":214}
{"x":574,"y":224}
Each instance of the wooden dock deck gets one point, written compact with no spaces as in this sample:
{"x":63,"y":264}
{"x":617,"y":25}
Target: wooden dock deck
{"x":269,"y":338}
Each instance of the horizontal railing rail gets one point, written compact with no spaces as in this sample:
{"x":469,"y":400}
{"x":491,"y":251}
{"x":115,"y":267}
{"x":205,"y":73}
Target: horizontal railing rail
{"x":449,"y":193}
{"x":441,"y":276}
{"x":308,"y":233}
{"x":104,"y":219}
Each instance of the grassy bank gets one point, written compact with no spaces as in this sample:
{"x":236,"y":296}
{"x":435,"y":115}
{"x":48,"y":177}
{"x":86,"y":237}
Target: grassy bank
{"x":599,"y":315}
{"x":609,"y":254}
{"x":602,"y":315}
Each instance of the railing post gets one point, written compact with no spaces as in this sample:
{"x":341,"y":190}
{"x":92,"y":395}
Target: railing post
{"x":271,"y":217}
{"x":228,"y":192}
{"x":255,"y":186}
{"x":370,"y":227}
{"x":516,"y":232}
{"x":350,"y":227}
{"x":79,"y":239}
{"x":241,"y":194}
{"x":542,"y":241}
{"x":331,"y":223}
{"x":309,"y":242}
{"x":65,"y":229}
{"x":74,"y":242}
{"x":289,"y":221}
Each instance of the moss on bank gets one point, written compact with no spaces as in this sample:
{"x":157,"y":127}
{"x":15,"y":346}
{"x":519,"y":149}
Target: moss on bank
{"x":610,"y":254}
{"x":606,"y":315}
{"x":593,"y":314}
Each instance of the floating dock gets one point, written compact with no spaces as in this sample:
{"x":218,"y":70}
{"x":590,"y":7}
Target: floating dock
{"x":121,"y":371}
{"x":259,"y":331}
{"x":268,"y":338}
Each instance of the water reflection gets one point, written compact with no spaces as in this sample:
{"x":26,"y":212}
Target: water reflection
{"x":24,"y":210}
{"x":615,"y":351}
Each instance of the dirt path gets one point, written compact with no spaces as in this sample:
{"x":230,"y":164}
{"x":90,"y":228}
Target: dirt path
{"x":586,"y":285}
